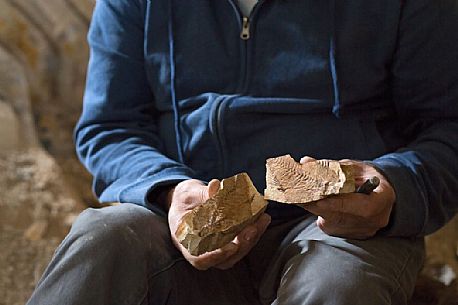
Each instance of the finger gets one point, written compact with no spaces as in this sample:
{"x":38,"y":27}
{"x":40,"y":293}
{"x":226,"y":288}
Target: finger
{"x":232,"y":260}
{"x":213,"y":187}
{"x":353,"y":232}
{"x":336,"y":219}
{"x":346,"y":161}
{"x":246,"y":240}
{"x":361,"y":205}
{"x":306,"y":159}
{"x":210,"y":259}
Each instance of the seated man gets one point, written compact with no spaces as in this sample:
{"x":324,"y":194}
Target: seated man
{"x":180,"y":93}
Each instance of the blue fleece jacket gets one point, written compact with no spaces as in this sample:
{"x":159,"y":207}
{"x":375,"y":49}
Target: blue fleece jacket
{"x":174,"y":92}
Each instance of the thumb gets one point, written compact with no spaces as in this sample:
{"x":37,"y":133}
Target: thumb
{"x":306,"y":159}
{"x":213,"y":187}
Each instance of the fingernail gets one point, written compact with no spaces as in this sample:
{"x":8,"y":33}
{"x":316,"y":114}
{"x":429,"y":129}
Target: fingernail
{"x":251,"y":234}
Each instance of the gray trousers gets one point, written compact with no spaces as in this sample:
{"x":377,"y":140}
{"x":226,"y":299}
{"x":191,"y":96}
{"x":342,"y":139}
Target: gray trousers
{"x":123,"y":255}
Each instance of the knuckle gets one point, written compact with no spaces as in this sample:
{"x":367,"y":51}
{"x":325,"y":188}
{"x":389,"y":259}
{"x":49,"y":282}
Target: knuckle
{"x":381,"y":222}
{"x":372,"y":233}
{"x":367,"y":234}
{"x":325,"y":228}
{"x":202,"y":195}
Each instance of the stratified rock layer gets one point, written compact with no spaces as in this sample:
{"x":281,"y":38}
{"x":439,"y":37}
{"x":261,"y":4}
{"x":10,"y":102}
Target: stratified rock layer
{"x":221,"y":218}
{"x":291,"y":182}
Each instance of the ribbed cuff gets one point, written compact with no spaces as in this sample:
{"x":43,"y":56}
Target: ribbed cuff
{"x":409,"y":212}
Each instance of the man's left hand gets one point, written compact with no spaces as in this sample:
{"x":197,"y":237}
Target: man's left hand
{"x":354,"y":215}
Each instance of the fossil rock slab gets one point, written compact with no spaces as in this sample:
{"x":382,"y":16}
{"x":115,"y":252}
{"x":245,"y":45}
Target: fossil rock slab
{"x":291,"y":182}
{"x":216,"y":222}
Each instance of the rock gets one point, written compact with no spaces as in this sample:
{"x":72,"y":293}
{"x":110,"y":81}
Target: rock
{"x":429,"y":291}
{"x":15,"y":95}
{"x":34,"y":203}
{"x":221,"y":218}
{"x":441,"y":272}
{"x":9,"y":128}
{"x":43,"y":59}
{"x":36,"y":231}
{"x":441,"y":248}
{"x":83,"y":8}
{"x":291,"y":182}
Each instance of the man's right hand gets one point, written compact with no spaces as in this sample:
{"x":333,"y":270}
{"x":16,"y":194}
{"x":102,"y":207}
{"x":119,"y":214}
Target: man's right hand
{"x":190,"y":193}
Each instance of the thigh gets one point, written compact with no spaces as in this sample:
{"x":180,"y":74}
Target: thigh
{"x":106,"y":258}
{"x":139,"y":240}
{"x":124,"y":255}
{"x":311,"y":267}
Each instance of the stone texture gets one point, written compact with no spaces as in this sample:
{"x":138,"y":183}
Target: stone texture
{"x":43,"y":59}
{"x":34,"y":203}
{"x":289,"y":181}
{"x":221,"y":218}
{"x":9,"y":128}
{"x":15,"y":99}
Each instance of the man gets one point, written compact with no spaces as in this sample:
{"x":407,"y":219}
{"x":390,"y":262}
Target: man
{"x":180,"y":93}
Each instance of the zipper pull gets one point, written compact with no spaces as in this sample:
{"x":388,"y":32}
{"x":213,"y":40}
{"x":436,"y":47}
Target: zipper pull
{"x":245,"y":34}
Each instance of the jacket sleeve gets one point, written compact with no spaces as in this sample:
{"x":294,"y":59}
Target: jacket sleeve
{"x":117,"y":135}
{"x":424,"y":174}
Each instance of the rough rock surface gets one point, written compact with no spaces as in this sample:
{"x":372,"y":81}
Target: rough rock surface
{"x":37,"y":208}
{"x":43,"y":59}
{"x":217,"y":221}
{"x":9,"y":128}
{"x":289,"y":181}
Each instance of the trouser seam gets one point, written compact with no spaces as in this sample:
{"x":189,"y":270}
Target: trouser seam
{"x":399,"y":286}
{"x":165,"y":268}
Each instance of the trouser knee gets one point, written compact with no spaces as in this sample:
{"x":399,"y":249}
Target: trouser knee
{"x":123,"y":229}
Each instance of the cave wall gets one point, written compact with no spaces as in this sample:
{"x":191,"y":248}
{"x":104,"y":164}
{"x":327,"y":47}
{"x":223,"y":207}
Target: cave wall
{"x":43,"y":59}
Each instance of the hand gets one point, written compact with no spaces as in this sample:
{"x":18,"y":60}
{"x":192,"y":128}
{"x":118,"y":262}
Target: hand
{"x":189,"y":194}
{"x":354,"y":215}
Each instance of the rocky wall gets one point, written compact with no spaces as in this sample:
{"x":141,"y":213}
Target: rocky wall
{"x":43,"y":58}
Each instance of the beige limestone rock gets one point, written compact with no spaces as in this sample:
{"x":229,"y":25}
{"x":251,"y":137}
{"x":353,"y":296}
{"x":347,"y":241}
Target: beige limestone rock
{"x":16,"y":104}
{"x":218,"y":221}
{"x":291,"y":182}
{"x":36,"y":230}
{"x":441,"y":250}
{"x":9,"y":128}
{"x":34,"y":202}
{"x":43,"y":60}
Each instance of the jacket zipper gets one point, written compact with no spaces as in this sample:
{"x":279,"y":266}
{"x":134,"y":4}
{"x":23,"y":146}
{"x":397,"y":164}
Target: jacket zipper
{"x":245,"y":33}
